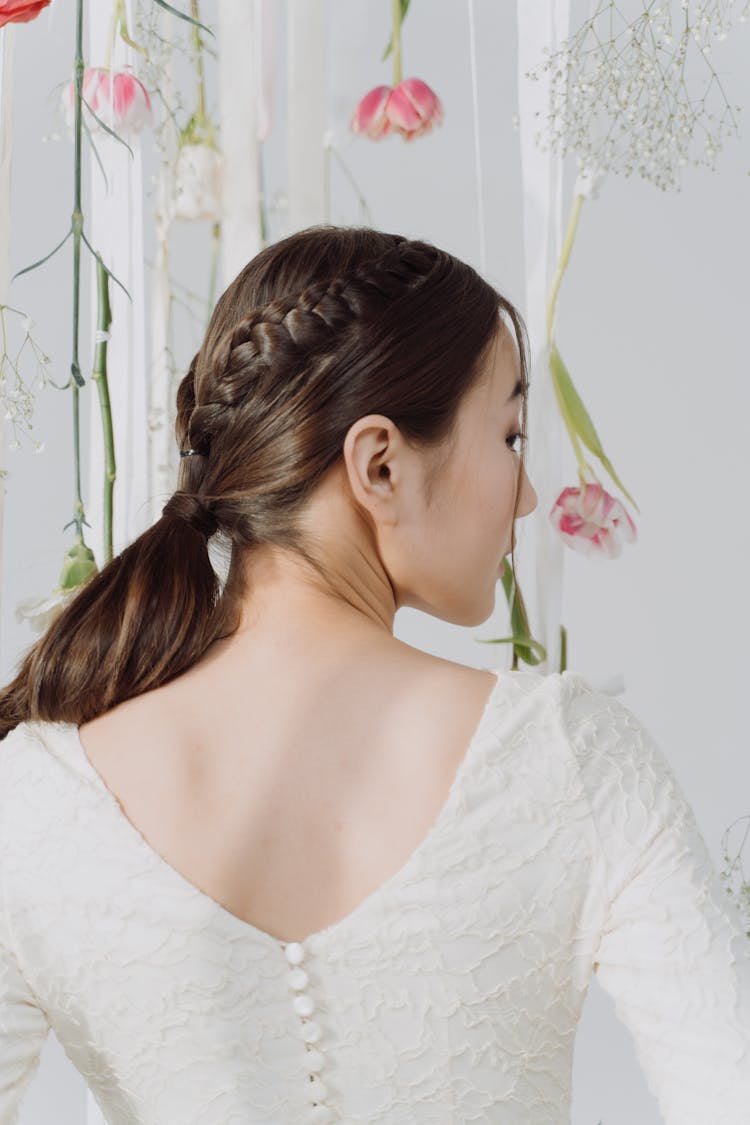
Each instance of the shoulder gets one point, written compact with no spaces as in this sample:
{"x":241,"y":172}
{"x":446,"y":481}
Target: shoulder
{"x":630,"y":783}
{"x":437,"y":680}
{"x":25,"y":756}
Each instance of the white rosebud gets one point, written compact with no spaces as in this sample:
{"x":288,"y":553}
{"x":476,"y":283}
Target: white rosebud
{"x":198,"y":182}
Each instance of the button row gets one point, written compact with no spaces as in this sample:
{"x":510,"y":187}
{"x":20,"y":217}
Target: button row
{"x":311,"y":1031}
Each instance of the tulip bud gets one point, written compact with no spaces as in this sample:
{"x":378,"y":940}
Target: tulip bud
{"x":410,"y":109}
{"x":591,"y":521}
{"x":118,"y":98}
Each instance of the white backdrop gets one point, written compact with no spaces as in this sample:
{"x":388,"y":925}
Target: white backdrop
{"x":650,"y":320}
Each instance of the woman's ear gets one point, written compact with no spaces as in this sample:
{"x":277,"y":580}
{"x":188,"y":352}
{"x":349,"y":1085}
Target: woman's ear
{"x":374,"y":454}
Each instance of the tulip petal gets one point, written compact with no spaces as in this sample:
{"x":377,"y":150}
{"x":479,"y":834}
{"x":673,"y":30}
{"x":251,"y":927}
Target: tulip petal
{"x":369,"y":118}
{"x":20,"y":11}
{"x":413,"y":108}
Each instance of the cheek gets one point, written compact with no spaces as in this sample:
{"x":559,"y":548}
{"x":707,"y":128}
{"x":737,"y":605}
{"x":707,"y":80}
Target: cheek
{"x":499,"y":486}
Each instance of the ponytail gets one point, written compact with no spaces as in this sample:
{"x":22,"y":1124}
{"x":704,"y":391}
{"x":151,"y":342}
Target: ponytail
{"x":149,"y":614}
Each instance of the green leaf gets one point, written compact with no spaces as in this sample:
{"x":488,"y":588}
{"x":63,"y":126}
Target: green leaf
{"x":175,"y":12}
{"x":107,"y":129}
{"x":389,"y":48}
{"x":578,"y":416}
{"x":529,"y":650}
{"x":41,"y":261}
{"x":108,"y":272}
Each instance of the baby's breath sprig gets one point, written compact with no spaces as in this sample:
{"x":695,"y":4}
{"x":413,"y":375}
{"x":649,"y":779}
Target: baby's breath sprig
{"x":733,"y":875}
{"x":17,"y":399}
{"x":619,"y":94}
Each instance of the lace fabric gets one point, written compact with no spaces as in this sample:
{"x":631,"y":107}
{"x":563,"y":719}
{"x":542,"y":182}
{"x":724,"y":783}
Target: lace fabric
{"x":566,"y":847}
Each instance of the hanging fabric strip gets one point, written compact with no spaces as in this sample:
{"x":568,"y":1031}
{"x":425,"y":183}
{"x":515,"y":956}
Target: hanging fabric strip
{"x":7,"y":37}
{"x":239,"y":123}
{"x":266,"y":18}
{"x":162,"y":448}
{"x":477,"y":137}
{"x":306,"y":112}
{"x":541,"y":23}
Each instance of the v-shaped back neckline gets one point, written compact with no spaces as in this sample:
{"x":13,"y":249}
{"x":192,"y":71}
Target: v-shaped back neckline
{"x":318,"y":937}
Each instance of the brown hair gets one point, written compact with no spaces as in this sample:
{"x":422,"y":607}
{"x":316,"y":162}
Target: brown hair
{"x":318,"y":329}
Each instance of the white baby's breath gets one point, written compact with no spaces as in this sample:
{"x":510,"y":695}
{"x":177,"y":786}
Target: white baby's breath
{"x":17,"y":396}
{"x":621,"y":97}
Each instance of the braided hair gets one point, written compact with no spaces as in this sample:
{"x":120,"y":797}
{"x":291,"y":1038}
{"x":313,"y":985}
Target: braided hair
{"x":318,"y":329}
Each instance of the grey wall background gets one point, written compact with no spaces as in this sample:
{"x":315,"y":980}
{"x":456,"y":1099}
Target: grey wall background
{"x":652,"y":322}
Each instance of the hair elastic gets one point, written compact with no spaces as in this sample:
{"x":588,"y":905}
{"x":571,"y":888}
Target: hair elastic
{"x":191,"y":453}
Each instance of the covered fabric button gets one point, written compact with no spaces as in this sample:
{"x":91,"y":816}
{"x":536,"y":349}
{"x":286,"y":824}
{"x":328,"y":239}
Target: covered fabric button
{"x":320,"y":1114}
{"x":317,"y":1090}
{"x":304,"y":1005}
{"x":298,"y":979}
{"x":311,"y":1032}
{"x":314,"y":1060}
{"x":295,"y":953}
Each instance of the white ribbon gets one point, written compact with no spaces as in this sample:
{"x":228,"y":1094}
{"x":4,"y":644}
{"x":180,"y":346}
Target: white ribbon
{"x":306,"y":112}
{"x":7,"y":36}
{"x":162,"y":448}
{"x":541,"y":23}
{"x":239,"y":54}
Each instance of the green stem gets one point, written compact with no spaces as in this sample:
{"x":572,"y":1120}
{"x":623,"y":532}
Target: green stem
{"x":77,"y":223}
{"x":99,"y":375}
{"x":115,"y":20}
{"x":562,"y":264}
{"x":396,"y":9}
{"x":201,"y":110}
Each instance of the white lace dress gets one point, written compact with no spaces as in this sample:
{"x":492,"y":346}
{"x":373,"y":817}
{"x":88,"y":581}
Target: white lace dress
{"x":450,"y":995}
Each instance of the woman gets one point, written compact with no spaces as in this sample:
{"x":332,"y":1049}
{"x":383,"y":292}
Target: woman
{"x":264,"y":863}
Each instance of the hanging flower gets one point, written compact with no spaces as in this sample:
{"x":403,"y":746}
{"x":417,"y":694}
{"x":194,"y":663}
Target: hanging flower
{"x":78,"y":567}
{"x":199,"y":171}
{"x":411,"y":109}
{"x":199,"y":177}
{"x":20,"y":11}
{"x":41,"y":612}
{"x":118,"y":98}
{"x":591,"y":521}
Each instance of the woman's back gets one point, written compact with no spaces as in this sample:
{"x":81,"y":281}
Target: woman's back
{"x":288,"y":796}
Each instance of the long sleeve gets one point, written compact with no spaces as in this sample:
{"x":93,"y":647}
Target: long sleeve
{"x":23,"y":1026}
{"x":672,"y":953}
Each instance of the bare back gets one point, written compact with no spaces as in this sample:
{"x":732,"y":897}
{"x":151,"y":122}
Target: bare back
{"x":290,"y":801}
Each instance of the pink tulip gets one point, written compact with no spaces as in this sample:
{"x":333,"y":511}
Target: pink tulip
{"x":591,"y":521}
{"x":131,"y":105}
{"x":20,"y":11}
{"x":410,"y":109}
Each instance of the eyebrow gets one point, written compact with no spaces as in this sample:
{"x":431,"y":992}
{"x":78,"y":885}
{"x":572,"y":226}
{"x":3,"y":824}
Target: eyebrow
{"x":517,"y":390}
